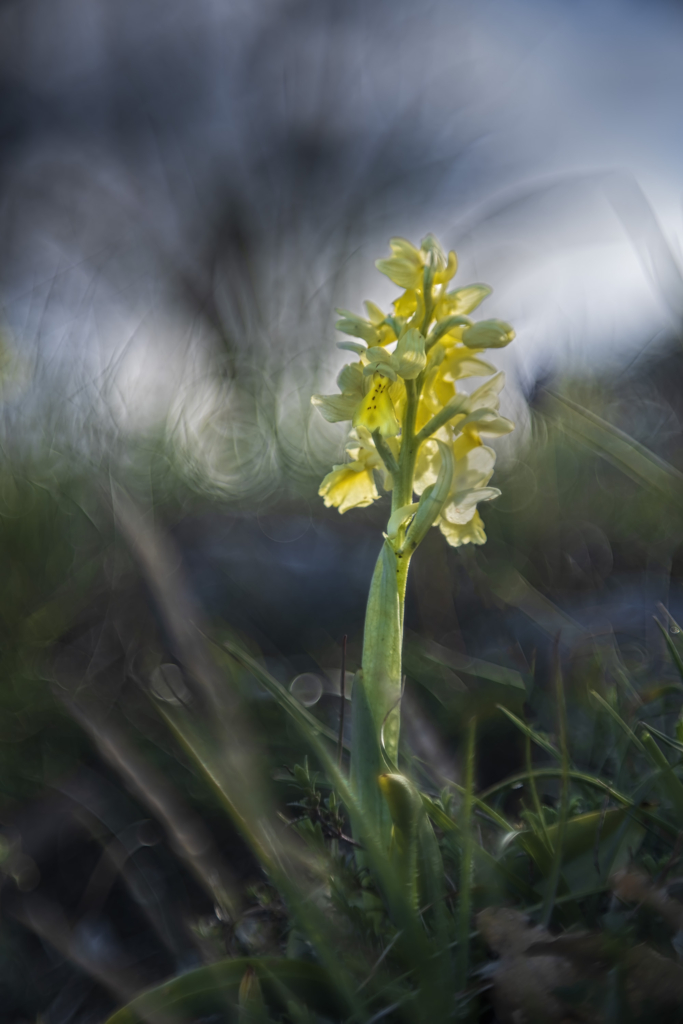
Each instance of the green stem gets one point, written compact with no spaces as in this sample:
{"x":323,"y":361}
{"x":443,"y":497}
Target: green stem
{"x":403,"y":483}
{"x":377,"y":691}
{"x":377,"y":687}
{"x":456,"y":407}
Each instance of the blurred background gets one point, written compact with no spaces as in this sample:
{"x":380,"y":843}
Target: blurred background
{"x":186,"y":193}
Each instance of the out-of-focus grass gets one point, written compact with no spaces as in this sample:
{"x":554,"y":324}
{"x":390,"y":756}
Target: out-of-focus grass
{"x":112,"y":661}
{"x":50,"y":549}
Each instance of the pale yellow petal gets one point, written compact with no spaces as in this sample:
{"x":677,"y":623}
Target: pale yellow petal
{"x":468,"y":533}
{"x":462,"y":301}
{"x":460,"y":363}
{"x":445,"y":275}
{"x":410,"y":359}
{"x":350,"y":379}
{"x":406,"y":304}
{"x":349,"y":486}
{"x":336,"y":408}
{"x":463,"y":505}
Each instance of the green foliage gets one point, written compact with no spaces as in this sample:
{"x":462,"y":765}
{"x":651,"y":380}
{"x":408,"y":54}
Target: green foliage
{"x":378,"y":900}
{"x":390,"y":934}
{"x":50,"y":551}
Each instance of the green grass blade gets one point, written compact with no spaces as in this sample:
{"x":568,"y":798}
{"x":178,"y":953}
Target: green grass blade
{"x":481,"y":805}
{"x":674,"y":744}
{"x":488,"y":861}
{"x":617,"y":447}
{"x":594,"y":842}
{"x":365,"y":826}
{"x":671,"y":784}
{"x":543,"y":832}
{"x":414,"y":944}
{"x":641,"y":813}
{"x":537,"y":737}
{"x":618,"y":719}
{"x":421,"y":652}
{"x":281,"y":694}
{"x":465,"y":893}
{"x":673,"y":650}
{"x":289,"y":865}
{"x":549,"y":902}
{"x":214,"y":989}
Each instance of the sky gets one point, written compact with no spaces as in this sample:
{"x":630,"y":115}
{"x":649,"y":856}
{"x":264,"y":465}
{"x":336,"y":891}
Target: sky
{"x":167,"y":166}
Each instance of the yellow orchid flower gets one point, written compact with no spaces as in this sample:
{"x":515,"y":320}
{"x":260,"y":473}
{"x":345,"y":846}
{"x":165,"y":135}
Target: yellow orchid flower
{"x":413,"y":428}
{"x":406,"y":304}
{"x":429,"y":343}
{"x":337,"y":408}
{"x":407,"y":264}
{"x":462,"y":301}
{"x":376,"y":329}
{"x":351,"y":485}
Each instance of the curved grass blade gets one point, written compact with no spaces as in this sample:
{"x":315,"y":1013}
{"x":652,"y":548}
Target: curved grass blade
{"x":540,"y":817}
{"x":488,"y":861}
{"x":617,"y":447}
{"x":491,"y":814}
{"x":537,"y":737}
{"x":619,"y":720}
{"x":215,"y":988}
{"x":641,"y":813}
{"x":275,"y":688}
{"x":583,"y":834}
{"x":554,"y":773}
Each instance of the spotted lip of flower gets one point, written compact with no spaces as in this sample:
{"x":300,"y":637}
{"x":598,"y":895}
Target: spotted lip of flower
{"x":376,"y":411}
